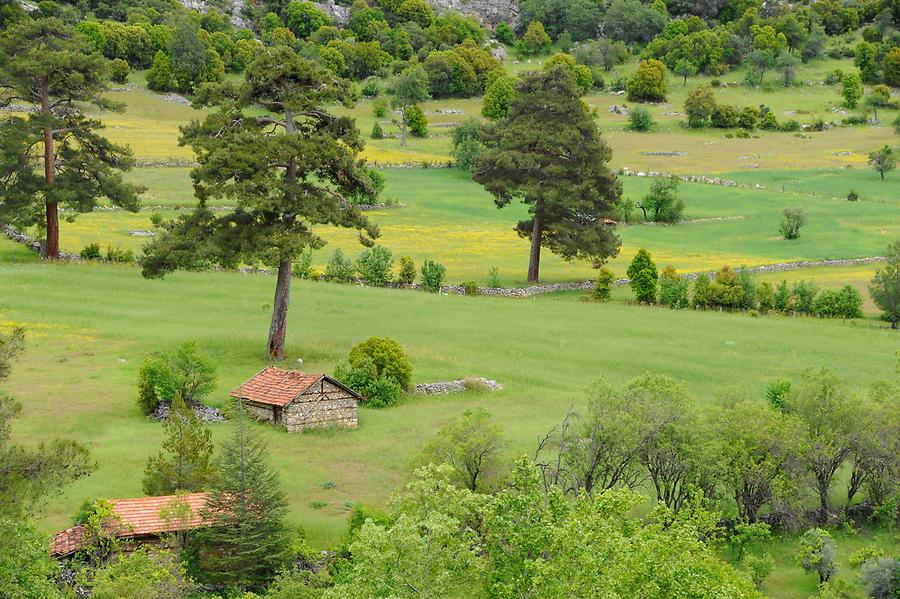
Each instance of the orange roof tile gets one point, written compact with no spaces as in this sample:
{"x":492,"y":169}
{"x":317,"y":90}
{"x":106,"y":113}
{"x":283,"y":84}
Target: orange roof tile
{"x":276,"y":387}
{"x":138,"y":516}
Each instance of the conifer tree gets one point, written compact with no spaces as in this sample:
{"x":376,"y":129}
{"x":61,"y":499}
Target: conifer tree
{"x":46,"y":63}
{"x":246,"y":542}
{"x":285,"y":174}
{"x":548,"y":153}
{"x":185,"y":464}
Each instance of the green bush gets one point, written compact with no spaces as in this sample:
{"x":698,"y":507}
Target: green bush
{"x":119,"y":255}
{"x":379,"y":393}
{"x":416,"y":121}
{"x":643,"y":275}
{"x":91,"y":252}
{"x":766,"y":296}
{"x":493,"y":278}
{"x":379,"y":108}
{"x":768,"y":122}
{"x":407,"y":274}
{"x":777,"y":393}
{"x":724,"y":116}
{"x":789,"y":125}
{"x":791,"y":222}
{"x":302,"y":268}
{"x":340,"y":268}
{"x":725,"y":290}
{"x":852,"y":196}
{"x":371,"y":89}
{"x":184,"y":372}
{"x":504,"y":33}
{"x":432,"y":276}
{"x":640,"y":119}
{"x":845,"y":302}
{"x":701,"y":299}
{"x":387,"y":357}
{"x":603,"y":287}
{"x":803,"y":296}
{"x":673,"y":289}
{"x":119,"y":71}
{"x":469,"y":287}
{"x":377,"y":131}
{"x":374,"y":266}
{"x":749,"y":118}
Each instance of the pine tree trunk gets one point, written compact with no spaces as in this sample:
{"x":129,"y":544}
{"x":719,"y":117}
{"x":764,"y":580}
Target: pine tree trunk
{"x":403,"y":128}
{"x":278,"y":328}
{"x":52,"y":212}
{"x":537,"y":232}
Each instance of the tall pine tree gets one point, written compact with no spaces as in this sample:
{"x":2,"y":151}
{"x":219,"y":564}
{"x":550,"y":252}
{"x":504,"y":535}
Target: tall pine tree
{"x":46,"y":63}
{"x":246,"y":542}
{"x":188,"y":466}
{"x":285,"y":174}
{"x":548,"y":153}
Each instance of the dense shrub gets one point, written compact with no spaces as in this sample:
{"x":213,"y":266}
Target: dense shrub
{"x":881,"y":578}
{"x":505,"y":34}
{"x":160,"y":77}
{"x":765,"y":296}
{"x":302,"y":267}
{"x":643,"y":275}
{"x":91,"y":252}
{"x":535,"y":41}
{"x":374,"y":266}
{"x":725,"y":116}
{"x":184,"y":372}
{"x":699,"y":106}
{"x":603,"y":287}
{"x":377,"y":131}
{"x":119,"y":70}
{"x":407,"y":274}
{"x":789,"y":125}
{"x":701,"y":299}
{"x":387,"y":359}
{"x":845,"y":302}
{"x":726,"y":290}
{"x":115,"y":254}
{"x":416,"y":121}
{"x":673,"y":289}
{"x":466,"y":144}
{"x":469,"y":287}
{"x":648,"y":84}
{"x":340,"y":268}
{"x":379,"y":392}
{"x":768,"y":122}
{"x":432,"y":276}
{"x":640,"y":119}
{"x":803,"y":297}
{"x":379,"y":108}
{"x":749,"y":118}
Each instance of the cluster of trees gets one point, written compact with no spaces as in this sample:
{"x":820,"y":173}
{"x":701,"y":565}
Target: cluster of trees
{"x":737,"y":290}
{"x":374,"y":267}
{"x":703,"y":110}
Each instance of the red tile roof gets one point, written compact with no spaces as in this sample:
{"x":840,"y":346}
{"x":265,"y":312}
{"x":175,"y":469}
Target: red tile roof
{"x":276,"y":387}
{"x":137,"y":517}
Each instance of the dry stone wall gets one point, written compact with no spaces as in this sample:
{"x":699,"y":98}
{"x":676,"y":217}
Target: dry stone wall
{"x":324,"y":404}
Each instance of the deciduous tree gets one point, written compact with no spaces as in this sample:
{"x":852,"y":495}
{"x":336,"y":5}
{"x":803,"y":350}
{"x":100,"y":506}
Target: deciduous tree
{"x":473,"y":446}
{"x":549,"y":154}
{"x":285,"y":175}
{"x":408,"y":89}
{"x":885,"y":286}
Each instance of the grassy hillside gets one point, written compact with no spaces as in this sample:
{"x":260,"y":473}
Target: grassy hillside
{"x":89,"y":327}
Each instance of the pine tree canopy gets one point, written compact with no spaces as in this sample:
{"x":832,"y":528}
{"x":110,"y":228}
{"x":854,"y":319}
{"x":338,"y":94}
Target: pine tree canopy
{"x":549,"y":154}
{"x":46,"y":63}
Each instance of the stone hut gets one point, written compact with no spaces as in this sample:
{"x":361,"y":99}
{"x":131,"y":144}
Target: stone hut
{"x":296,"y":401}
{"x":136,"y":521}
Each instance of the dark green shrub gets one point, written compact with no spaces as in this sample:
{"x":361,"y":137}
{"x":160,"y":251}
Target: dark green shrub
{"x":834,"y":77}
{"x":640,"y":119}
{"x":673,"y":289}
{"x":119,"y":71}
{"x":768,"y":122}
{"x":340,"y":268}
{"x":184,"y":372}
{"x":432,"y":276}
{"x":119,"y":255}
{"x":701,"y":298}
{"x":781,"y":300}
{"x":852,"y":196}
{"x":724,"y":116}
{"x":407,"y":274}
{"x":416,"y":121}
{"x":748,"y":284}
{"x":765,"y":295}
{"x":377,"y":131}
{"x":302,"y":268}
{"x":803,"y":297}
{"x":777,"y":393}
{"x":742,"y":134}
{"x":469,"y":287}
{"x":379,"y":108}
{"x":726,"y":290}
{"x":370,"y":89}
{"x":379,"y":392}
{"x":749,"y":118}
{"x":505,"y":34}
{"x":603,"y":287}
{"x":643,"y":275}
{"x":374,"y":266}
{"x":91,"y":252}
{"x":789,"y":125}
{"x":845,"y":302}
{"x":387,"y":358}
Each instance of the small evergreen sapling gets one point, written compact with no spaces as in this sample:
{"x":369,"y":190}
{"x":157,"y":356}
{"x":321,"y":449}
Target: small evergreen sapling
{"x":643,"y":275}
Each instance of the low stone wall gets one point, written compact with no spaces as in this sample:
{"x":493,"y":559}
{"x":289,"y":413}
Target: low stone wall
{"x":203,"y":412}
{"x":33,"y":244}
{"x":456,"y":386}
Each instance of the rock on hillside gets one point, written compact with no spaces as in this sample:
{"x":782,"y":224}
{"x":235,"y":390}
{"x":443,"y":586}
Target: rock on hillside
{"x":488,"y":11}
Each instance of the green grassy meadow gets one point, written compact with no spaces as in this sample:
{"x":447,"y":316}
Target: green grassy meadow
{"x":86,"y":341}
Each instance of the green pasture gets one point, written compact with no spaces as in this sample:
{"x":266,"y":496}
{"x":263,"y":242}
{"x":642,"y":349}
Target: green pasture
{"x":89,"y":327}
{"x":447,"y":217}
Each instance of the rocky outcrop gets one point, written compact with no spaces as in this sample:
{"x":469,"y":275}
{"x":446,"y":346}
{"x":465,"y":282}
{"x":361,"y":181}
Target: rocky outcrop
{"x":489,"y":12}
